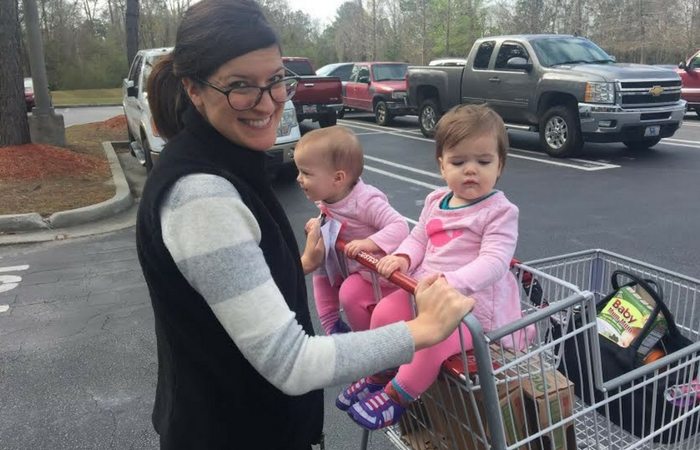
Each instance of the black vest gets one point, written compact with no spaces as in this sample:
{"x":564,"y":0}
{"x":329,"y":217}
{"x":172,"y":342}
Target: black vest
{"x":208,"y":396}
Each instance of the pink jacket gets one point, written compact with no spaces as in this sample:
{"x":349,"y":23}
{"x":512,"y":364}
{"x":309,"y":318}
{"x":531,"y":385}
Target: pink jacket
{"x":366,"y":214}
{"x":473,"y":247}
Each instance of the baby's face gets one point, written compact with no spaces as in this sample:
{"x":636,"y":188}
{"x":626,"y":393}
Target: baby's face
{"x":317,"y":178}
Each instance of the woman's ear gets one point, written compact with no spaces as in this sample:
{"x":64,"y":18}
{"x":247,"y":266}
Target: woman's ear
{"x":194,"y":91}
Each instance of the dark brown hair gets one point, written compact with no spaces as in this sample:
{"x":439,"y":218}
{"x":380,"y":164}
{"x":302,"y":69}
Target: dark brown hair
{"x":212,"y":32}
{"x":470,"y":121}
{"x":341,"y":148}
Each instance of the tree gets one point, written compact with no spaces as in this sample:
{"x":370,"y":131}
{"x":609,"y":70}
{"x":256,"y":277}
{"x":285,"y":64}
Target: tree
{"x":131,"y":24}
{"x":14,"y":128}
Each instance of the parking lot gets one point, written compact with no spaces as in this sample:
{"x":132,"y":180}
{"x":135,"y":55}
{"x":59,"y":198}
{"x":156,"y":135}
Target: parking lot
{"x":77,"y":354}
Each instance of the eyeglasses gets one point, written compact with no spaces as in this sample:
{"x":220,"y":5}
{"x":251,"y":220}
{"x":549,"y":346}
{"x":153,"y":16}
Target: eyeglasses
{"x":248,"y":97}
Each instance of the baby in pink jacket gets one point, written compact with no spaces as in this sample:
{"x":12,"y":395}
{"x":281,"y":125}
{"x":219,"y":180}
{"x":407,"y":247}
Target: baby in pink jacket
{"x":467,"y":232}
{"x":330,"y":162}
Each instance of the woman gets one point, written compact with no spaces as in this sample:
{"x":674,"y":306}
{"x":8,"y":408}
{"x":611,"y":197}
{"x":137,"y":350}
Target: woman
{"x":238,"y":366}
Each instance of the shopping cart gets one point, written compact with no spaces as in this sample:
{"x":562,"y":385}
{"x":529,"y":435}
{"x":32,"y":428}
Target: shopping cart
{"x":496,"y":397}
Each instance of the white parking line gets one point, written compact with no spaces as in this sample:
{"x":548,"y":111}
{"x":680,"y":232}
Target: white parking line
{"x":4,"y":308}
{"x":681,"y":142}
{"x":14,"y":268}
{"x":404,"y":167}
{"x":588,"y":166}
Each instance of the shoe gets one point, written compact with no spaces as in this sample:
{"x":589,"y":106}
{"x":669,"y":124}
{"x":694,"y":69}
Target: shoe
{"x":377,"y":411}
{"x":339,"y":327}
{"x":357,"y":391}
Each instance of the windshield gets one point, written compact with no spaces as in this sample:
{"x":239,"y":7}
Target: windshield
{"x":573,"y":50}
{"x":383,"y":72}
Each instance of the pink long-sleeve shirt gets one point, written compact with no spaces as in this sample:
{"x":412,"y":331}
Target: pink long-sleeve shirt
{"x":365,"y":213}
{"x":473,"y":247}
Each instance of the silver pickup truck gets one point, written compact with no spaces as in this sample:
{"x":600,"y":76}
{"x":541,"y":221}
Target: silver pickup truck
{"x":565,"y":87}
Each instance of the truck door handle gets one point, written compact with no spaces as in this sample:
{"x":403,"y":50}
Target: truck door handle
{"x":495,"y":80}
{"x":308,"y":85}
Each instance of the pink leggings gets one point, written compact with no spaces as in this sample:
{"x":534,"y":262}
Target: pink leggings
{"x":416,"y":377}
{"x":355,"y":295}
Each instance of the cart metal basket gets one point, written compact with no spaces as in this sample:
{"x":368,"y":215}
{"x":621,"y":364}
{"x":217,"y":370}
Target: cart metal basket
{"x":500,"y":398}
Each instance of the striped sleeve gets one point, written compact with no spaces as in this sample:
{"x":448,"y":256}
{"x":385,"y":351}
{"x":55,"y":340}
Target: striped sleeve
{"x":214,"y":239}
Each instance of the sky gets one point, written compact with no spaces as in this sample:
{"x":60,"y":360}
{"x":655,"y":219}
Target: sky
{"x":323,"y":10}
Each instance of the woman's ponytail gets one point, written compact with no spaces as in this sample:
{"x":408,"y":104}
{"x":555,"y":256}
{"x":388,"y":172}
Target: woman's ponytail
{"x":166,"y":98}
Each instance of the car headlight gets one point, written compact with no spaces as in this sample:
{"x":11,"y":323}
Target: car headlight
{"x":600,"y":92}
{"x":398,"y":95}
{"x":289,"y":121}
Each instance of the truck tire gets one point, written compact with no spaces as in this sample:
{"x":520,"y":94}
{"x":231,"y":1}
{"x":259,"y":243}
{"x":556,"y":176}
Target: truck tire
{"x":644,"y":144}
{"x":328,"y":120}
{"x":381,"y":114}
{"x":148,"y":162}
{"x":428,"y":116}
{"x":560,"y":132}
{"x":341,"y":113}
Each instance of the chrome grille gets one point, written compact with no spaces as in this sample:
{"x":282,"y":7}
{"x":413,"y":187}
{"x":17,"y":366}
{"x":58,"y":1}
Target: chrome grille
{"x":648,"y":93}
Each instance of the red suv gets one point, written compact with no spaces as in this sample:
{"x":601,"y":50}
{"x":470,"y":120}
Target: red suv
{"x":689,"y":71}
{"x":379,"y":87}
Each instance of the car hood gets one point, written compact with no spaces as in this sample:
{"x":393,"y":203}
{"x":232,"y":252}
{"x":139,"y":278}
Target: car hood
{"x":612,"y":72}
{"x":390,"y":85}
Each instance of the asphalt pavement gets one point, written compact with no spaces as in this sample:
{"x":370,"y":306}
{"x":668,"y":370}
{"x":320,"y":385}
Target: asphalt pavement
{"x":77,"y":348}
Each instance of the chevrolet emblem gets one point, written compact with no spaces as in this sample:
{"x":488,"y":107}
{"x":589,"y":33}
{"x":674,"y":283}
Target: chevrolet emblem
{"x":656,"y":91}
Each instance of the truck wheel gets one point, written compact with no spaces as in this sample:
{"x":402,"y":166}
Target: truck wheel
{"x":428,"y":116}
{"x":147,"y":161}
{"x":643,"y":144}
{"x":328,"y":120}
{"x":341,"y":113}
{"x":560,"y":132}
{"x":381,"y":114}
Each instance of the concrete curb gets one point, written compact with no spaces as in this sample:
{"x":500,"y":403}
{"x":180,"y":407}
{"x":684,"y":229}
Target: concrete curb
{"x":121,"y":201}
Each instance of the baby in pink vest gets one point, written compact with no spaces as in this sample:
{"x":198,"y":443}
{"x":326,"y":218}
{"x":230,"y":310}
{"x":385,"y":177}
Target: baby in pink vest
{"x":467,"y":232}
{"x":330,"y":162}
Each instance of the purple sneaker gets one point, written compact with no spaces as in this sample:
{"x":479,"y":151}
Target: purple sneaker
{"x":340,"y":327}
{"x":377,"y":411}
{"x":357,"y":391}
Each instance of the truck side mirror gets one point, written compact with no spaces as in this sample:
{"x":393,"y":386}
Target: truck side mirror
{"x":518,"y":63}
{"x":682,"y":65}
{"x":131,"y":90}
{"x":363,"y":79}
{"x":613,"y":58}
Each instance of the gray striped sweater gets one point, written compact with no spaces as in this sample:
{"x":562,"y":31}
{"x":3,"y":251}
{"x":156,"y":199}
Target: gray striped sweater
{"x":213,"y":238}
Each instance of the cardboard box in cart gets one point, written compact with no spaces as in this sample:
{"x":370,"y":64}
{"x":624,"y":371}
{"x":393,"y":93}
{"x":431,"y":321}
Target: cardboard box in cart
{"x":454,"y":422}
{"x":549,"y":397}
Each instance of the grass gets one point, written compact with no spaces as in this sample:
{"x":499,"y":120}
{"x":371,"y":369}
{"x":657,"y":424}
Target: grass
{"x":87,"y":97}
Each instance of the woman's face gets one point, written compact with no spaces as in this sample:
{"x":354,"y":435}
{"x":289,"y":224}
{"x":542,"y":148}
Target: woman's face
{"x":255,"y":128}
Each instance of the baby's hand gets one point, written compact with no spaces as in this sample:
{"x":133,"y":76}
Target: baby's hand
{"x":310,"y":224}
{"x":352,"y":248}
{"x":391,"y":263}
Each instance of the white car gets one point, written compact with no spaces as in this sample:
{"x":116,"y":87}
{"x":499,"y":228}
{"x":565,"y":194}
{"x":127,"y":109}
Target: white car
{"x":145,"y":142}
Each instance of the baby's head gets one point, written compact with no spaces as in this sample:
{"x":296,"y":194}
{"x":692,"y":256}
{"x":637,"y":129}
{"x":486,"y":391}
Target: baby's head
{"x":471,"y":143}
{"x":470,"y":122}
{"x":330,"y":162}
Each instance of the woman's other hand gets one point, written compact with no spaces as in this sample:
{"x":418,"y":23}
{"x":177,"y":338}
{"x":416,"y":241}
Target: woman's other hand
{"x":440,"y":310}
{"x":314,"y":250}
{"x":391,"y":263}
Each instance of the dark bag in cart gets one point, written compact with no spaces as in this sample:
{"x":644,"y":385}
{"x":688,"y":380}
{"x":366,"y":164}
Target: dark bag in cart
{"x":645,"y":409}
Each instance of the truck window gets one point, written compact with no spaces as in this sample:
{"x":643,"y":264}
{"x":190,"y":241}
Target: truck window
{"x":695,"y":62}
{"x":363,"y":74}
{"x":383,"y":72}
{"x":509,"y":50}
{"x":299,"y":67}
{"x":483,"y":55}
{"x":135,"y":70}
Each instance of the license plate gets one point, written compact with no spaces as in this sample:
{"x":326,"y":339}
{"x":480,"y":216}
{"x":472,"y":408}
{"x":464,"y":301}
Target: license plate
{"x":308,"y":108}
{"x":652,"y":131}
